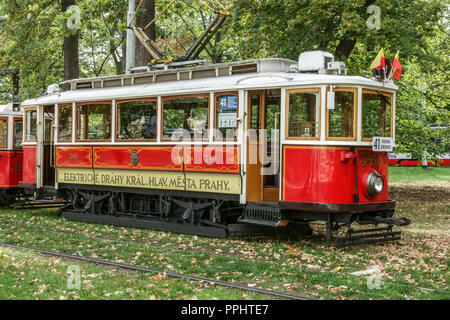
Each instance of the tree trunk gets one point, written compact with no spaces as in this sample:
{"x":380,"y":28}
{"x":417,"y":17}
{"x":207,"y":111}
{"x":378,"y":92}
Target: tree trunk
{"x":349,"y":40}
{"x":16,"y":85}
{"x":70,"y":47}
{"x":148,"y":6}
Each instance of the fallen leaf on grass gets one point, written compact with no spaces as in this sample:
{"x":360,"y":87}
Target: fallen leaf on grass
{"x":18,"y":265}
{"x":336,"y":289}
{"x":159,"y":276}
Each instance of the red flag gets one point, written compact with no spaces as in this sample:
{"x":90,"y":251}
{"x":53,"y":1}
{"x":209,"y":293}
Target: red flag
{"x":397,"y":68}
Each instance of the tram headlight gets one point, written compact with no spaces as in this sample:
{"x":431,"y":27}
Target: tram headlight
{"x":375,"y":184}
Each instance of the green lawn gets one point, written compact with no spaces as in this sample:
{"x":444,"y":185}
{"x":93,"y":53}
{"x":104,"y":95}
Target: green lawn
{"x":415,"y":267}
{"x":414,"y":174}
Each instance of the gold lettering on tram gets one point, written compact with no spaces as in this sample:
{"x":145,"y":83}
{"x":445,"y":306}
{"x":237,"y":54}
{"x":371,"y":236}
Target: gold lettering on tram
{"x":188,"y":181}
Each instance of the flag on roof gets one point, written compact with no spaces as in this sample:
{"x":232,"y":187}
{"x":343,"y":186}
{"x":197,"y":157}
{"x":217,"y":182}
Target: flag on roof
{"x":379,"y":62}
{"x":397,"y":67}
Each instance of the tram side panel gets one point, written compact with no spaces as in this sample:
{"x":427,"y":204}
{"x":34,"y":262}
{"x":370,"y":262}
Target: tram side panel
{"x":178,"y":168}
{"x":29,"y":165}
{"x":11,"y":164}
{"x":326,"y":175}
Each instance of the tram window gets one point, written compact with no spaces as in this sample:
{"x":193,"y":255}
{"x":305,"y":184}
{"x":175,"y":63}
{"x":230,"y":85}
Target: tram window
{"x":65,"y":123}
{"x":303,"y":115}
{"x":30,"y":121}
{"x":185,"y":117}
{"x":341,"y":119}
{"x":18,"y":133}
{"x":137,"y":120}
{"x":226,"y":116}
{"x":94,"y":121}
{"x":4,"y":133}
{"x":376,"y":114}
{"x":272,"y":115}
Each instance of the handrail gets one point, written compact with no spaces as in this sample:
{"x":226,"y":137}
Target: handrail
{"x":265,"y":75}
{"x":276,"y":143}
{"x":52,"y":163}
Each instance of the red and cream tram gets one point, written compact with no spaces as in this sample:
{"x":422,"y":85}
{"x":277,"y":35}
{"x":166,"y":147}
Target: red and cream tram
{"x":11,"y":153}
{"x":220,"y":149}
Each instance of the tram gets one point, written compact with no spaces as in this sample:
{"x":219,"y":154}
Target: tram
{"x":264,"y":145}
{"x":11,"y":153}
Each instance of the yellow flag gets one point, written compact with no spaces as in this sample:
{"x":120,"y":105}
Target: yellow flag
{"x":379,"y":61}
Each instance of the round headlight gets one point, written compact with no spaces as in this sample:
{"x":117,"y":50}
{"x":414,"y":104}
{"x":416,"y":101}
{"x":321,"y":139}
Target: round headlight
{"x":375,"y":184}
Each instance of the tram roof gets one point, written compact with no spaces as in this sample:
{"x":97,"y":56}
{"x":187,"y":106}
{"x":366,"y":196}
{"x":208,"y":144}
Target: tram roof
{"x":250,"y":74}
{"x":8,"y":109}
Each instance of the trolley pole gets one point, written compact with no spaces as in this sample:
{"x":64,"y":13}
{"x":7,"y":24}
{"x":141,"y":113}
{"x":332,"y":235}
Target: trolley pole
{"x":131,"y":38}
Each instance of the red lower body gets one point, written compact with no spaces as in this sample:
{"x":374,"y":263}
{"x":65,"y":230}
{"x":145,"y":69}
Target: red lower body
{"x":11,"y":168}
{"x":331,"y":175}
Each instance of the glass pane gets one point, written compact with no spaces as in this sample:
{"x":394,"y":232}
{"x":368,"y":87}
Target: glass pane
{"x":376,"y":117}
{"x":341,"y":118}
{"x":94,"y":122}
{"x":185,"y":115}
{"x":272,"y":116}
{"x":226,"y":116}
{"x":254,"y":112}
{"x":303,"y":114}
{"x":65,"y":123}
{"x":137,"y":120}
{"x":18,"y":133}
{"x":48,"y":130}
{"x":31,"y":118}
{"x":3,"y":133}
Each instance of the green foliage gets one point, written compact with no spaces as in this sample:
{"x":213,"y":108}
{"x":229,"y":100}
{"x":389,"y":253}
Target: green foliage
{"x":31,"y":37}
{"x":32,"y":32}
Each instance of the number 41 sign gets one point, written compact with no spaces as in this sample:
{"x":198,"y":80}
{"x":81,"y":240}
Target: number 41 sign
{"x":382,"y":144}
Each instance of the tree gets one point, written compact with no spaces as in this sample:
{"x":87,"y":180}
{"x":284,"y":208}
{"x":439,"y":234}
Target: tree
{"x":145,"y":15}
{"x":70,"y":47}
{"x":419,"y":29}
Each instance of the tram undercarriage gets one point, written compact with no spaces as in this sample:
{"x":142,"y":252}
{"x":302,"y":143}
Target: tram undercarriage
{"x":222,"y":216}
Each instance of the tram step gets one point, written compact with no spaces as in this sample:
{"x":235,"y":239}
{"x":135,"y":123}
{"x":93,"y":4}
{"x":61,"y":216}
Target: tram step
{"x":368,"y":236}
{"x":38,"y":205}
{"x":263,"y":215}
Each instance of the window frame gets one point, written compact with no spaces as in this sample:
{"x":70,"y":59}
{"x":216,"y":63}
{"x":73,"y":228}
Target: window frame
{"x":218,"y":94}
{"x":77,"y":124}
{"x":7,"y":132}
{"x":59,"y":119}
{"x":25,"y":119}
{"x":388,"y":94}
{"x":15,"y":119}
{"x":355,"y":115}
{"x":200,"y":95}
{"x":317,"y":90}
{"x":116,"y":134}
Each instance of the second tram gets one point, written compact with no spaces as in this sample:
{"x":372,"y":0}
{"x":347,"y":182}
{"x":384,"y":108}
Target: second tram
{"x":11,"y":153}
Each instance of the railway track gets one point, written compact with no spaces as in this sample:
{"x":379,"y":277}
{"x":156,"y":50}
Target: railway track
{"x":156,"y":271}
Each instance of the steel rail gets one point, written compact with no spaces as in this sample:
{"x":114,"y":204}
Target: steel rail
{"x":156,"y":271}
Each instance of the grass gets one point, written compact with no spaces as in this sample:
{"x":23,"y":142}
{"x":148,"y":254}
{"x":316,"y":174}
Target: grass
{"x":27,"y":275}
{"x":418,"y":174}
{"x":415,"y":267}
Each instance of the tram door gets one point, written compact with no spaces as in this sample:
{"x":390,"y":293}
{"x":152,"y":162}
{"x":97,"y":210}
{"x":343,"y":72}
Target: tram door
{"x":48,"y":167}
{"x":263,"y":146}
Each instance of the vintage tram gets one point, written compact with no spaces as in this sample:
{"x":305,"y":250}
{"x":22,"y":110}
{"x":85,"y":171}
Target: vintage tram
{"x":263,"y":145}
{"x":11,"y":153}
